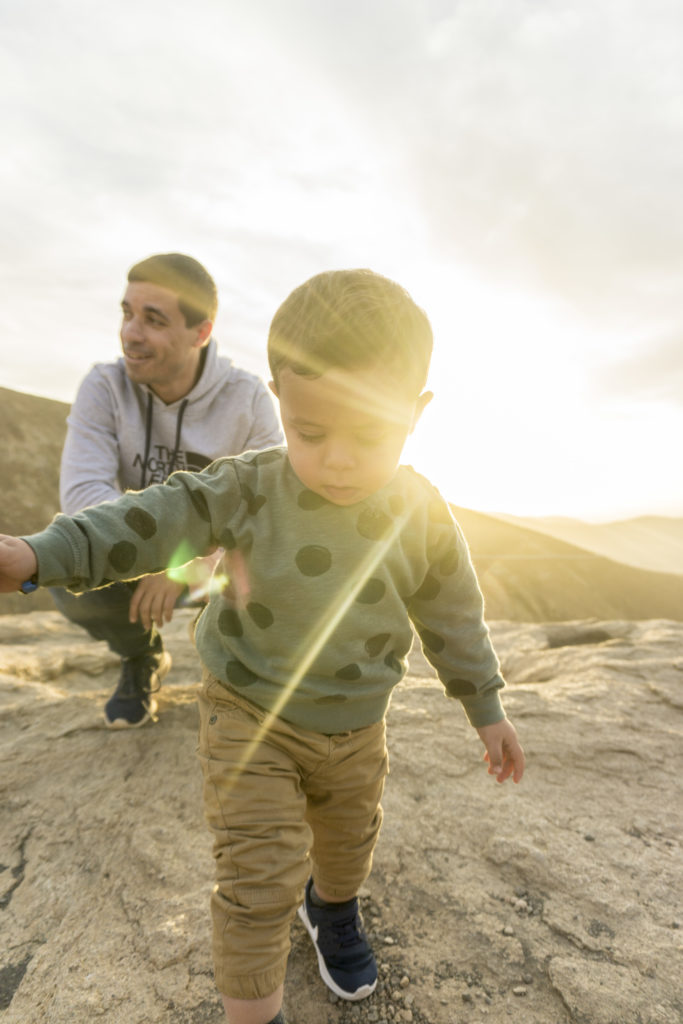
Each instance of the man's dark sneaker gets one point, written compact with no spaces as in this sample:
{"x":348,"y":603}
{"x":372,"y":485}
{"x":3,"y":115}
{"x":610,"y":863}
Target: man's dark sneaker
{"x":345,"y":958}
{"x":132,"y":703}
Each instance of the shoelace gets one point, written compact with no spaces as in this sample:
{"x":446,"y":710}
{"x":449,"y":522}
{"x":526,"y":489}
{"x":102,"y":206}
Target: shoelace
{"x":343,"y":932}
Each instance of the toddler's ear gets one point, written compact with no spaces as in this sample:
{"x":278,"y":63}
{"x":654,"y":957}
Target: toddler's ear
{"x":420,"y":406}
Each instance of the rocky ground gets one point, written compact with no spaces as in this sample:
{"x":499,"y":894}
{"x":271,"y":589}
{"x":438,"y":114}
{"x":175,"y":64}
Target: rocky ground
{"x":554,"y":902}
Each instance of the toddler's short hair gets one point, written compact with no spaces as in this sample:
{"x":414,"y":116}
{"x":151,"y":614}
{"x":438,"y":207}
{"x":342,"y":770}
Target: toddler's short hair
{"x":352,"y":320}
{"x":191,"y":282}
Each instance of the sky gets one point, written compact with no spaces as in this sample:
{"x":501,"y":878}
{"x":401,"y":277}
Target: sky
{"x":515,"y":164}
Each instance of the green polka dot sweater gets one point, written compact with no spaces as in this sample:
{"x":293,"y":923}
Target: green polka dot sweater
{"x":313,"y":603}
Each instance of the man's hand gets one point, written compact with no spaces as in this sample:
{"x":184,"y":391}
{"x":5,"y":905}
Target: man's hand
{"x":17,"y":563}
{"x":155,"y":595}
{"x":154,"y":600}
{"x":503,"y":751}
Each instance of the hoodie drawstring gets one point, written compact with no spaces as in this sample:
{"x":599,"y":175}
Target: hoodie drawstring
{"x":148,"y":440}
{"x":179,"y":426}
{"x":148,"y":437}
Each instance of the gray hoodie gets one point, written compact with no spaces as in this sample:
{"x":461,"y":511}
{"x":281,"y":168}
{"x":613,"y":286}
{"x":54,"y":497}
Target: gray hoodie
{"x":121,"y":436}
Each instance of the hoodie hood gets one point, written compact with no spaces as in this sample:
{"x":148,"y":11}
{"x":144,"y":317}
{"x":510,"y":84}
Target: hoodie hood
{"x":214,"y":376}
{"x":121,"y":436}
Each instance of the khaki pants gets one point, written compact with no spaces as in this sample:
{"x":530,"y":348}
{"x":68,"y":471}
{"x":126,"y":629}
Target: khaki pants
{"x":282,"y":803}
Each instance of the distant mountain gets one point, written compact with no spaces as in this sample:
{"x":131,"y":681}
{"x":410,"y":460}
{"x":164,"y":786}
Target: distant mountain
{"x":647,"y":542}
{"x":32,"y":431}
{"x":526,"y":574}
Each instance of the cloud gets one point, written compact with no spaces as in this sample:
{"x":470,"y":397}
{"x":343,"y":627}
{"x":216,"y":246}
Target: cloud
{"x":653,"y":374}
{"x":562,"y":158}
{"x":541,"y":141}
{"x":536,"y":145}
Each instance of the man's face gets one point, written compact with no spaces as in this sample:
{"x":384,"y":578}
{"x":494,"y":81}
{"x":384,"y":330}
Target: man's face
{"x":158,"y":347}
{"x":345,"y":432}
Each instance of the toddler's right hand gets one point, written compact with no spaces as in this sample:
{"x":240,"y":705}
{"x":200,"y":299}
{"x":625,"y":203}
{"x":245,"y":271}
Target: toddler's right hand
{"x":17,"y":563}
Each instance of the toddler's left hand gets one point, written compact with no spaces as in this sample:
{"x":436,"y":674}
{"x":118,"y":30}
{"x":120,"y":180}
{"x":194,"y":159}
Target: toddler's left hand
{"x":17,"y":563}
{"x":503,"y":751}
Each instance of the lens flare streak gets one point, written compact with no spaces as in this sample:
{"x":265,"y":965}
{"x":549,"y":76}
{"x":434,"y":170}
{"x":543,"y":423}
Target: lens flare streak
{"x":322,"y":630}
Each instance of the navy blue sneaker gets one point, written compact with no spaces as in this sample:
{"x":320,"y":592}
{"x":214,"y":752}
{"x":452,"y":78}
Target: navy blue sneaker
{"x":132,"y":704}
{"x":345,"y":958}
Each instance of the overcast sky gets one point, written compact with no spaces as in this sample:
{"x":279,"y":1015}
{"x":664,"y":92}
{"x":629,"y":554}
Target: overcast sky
{"x":516,"y":164}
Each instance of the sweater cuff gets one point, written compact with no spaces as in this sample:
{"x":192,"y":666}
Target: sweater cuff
{"x":484,"y":708}
{"x":56,"y":556}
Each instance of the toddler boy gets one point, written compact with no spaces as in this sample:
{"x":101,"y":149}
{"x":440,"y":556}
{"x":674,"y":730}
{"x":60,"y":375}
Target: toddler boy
{"x":332,"y":551}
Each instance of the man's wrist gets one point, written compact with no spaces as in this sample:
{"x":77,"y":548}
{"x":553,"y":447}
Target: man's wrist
{"x":28,"y":586}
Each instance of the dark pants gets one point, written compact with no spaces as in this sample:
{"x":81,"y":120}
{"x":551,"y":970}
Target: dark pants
{"x":104,"y":614}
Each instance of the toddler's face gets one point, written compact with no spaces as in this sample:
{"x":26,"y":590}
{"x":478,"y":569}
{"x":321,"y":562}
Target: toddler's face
{"x":345,"y":431}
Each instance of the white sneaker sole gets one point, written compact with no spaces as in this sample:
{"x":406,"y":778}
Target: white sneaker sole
{"x":361,"y":993}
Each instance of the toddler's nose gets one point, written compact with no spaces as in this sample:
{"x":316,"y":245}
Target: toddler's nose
{"x":338,"y":456}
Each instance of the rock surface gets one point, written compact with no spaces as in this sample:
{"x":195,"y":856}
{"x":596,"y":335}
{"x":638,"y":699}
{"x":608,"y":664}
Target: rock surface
{"x":553,"y":902}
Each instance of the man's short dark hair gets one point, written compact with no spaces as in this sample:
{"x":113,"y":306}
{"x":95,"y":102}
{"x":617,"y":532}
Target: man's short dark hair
{"x":352,"y":320}
{"x":191,"y":282}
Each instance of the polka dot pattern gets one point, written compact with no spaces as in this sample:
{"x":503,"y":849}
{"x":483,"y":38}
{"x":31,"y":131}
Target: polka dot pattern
{"x":229,"y":623}
{"x":122,"y":556}
{"x":372,"y":592}
{"x":141,"y":522}
{"x":239,"y":675}
{"x":313,"y":560}
{"x":374,"y":645}
{"x":391,"y":661}
{"x":432,"y":641}
{"x":309,"y":501}
{"x":260,"y":615}
{"x":460,"y":688}
{"x":349,"y":672}
{"x":373,"y":523}
{"x":428,"y":589}
{"x":255,"y":502}
{"x":293,"y":554}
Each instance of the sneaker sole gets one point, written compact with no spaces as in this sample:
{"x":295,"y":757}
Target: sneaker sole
{"x":123,"y":723}
{"x":157,"y":676}
{"x":361,"y":993}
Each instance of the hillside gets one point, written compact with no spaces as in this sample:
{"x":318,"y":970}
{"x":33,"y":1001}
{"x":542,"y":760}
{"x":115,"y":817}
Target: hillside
{"x":647,"y":542}
{"x":528,"y":576}
{"x":525,"y":574}
{"x":33,"y":431}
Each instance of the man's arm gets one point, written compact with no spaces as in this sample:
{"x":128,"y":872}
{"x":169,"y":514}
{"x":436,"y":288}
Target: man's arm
{"x":90,"y":459}
{"x":155,"y":596}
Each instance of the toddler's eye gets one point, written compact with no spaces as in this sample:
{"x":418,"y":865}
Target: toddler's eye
{"x":310,"y":438}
